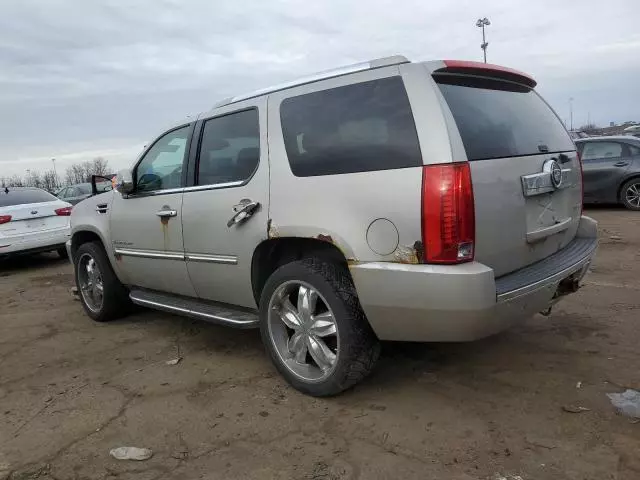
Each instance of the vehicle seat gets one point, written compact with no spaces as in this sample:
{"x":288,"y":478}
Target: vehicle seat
{"x":246,"y":162}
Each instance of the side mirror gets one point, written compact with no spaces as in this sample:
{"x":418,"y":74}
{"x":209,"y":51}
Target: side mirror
{"x":100,"y":184}
{"x":124,"y":182}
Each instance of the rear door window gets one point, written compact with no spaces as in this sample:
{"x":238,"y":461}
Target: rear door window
{"x":10,"y":197}
{"x":229,"y":148}
{"x":356,"y":128}
{"x":593,"y":150}
{"x":498,"y":119}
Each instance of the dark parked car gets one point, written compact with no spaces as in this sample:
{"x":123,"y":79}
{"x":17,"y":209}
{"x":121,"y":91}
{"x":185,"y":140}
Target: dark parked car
{"x":74,"y":193}
{"x":611,"y":168}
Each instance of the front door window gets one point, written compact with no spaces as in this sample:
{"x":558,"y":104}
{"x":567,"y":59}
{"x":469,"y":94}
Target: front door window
{"x":161,"y":167}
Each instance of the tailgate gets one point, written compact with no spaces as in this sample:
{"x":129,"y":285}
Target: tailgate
{"x":524,"y":167}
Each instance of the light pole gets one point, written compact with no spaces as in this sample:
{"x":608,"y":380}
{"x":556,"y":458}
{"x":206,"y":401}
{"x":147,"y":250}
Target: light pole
{"x":571,"y":113}
{"x":483,"y":22}
{"x":55,"y":174}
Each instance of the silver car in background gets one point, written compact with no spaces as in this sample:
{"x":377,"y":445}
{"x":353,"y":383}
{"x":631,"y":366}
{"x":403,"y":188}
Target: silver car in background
{"x":435,"y":202}
{"x":611,"y":167}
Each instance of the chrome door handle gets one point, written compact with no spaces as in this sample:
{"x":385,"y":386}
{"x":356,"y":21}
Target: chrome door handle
{"x":620,"y":164}
{"x":167,"y":213}
{"x":243,"y":210}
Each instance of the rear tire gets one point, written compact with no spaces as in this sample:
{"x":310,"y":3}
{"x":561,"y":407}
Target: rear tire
{"x":102,"y":295}
{"x":630,"y":194}
{"x":323,"y":345}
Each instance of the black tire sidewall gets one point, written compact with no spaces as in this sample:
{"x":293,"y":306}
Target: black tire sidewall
{"x":113,"y":289}
{"x":348,"y":316}
{"x":623,"y":193}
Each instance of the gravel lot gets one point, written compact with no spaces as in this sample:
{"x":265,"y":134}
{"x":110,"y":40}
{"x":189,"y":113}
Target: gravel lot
{"x":71,"y":389}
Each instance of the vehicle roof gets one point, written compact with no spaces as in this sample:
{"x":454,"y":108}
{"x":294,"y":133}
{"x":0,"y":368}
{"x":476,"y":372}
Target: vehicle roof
{"x":608,"y":138}
{"x":316,"y":77}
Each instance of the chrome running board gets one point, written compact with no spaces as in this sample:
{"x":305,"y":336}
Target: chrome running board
{"x":190,"y":307}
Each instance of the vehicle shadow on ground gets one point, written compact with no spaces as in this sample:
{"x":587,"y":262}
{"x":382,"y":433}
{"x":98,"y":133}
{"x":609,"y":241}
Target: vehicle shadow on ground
{"x":401,"y":364}
{"x":614,"y":207}
{"x":11,"y":265}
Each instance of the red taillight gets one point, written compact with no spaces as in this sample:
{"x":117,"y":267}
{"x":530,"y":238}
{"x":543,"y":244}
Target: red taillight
{"x":448,"y":215}
{"x":5,"y":219}
{"x":581,"y":183}
{"x":64,"y":211}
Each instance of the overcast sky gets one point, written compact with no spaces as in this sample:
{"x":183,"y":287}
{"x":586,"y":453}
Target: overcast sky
{"x":80,"y":79}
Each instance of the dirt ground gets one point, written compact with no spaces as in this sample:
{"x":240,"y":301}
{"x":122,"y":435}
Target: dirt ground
{"x":71,"y":390}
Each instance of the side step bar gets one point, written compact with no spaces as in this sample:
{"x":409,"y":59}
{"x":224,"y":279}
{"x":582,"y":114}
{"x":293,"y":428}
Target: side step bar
{"x":190,"y":307}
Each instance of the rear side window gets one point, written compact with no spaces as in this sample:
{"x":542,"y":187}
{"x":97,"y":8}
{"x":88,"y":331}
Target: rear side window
{"x":593,"y":150}
{"x":230,"y":148}
{"x":356,"y":128}
{"x":22,"y":197}
{"x":497,"y":119}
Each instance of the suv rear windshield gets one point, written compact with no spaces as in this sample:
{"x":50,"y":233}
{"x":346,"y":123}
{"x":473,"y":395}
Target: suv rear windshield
{"x":21,"y":196}
{"x":498,"y":119}
{"x":356,"y":128}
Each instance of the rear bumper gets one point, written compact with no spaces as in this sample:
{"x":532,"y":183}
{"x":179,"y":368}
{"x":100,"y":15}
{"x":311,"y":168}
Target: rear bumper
{"x":35,"y":242}
{"x":434,"y":303}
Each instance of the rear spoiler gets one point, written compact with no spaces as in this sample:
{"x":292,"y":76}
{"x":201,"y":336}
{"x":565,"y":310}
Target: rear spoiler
{"x":487,"y":70}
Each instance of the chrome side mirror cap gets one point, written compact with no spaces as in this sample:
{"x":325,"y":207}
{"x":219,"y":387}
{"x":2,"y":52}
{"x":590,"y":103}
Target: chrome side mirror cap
{"x":124,"y":182}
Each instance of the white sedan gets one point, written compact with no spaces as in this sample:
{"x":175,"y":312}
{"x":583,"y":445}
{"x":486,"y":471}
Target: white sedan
{"x":32,"y":221}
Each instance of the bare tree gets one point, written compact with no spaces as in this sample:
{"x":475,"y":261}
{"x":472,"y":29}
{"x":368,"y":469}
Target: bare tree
{"x":12,"y":181}
{"x":76,"y":173}
{"x":589,"y":128}
{"x":49,"y":181}
{"x":81,"y":172}
{"x":99,"y":166}
{"x":33,"y":179}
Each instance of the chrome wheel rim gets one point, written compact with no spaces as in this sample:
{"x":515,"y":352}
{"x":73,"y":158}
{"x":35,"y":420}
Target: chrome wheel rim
{"x":303,"y":330}
{"x":90,"y":282}
{"x":633,"y":195}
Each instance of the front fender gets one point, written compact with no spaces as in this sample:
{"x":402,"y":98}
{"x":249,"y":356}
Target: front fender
{"x":86,"y":217}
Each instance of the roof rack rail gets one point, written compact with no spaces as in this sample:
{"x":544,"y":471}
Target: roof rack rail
{"x":336,"y":72}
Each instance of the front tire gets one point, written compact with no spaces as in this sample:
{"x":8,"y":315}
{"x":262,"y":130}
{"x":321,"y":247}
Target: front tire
{"x":102,"y":295}
{"x":630,"y":194}
{"x":314,"y":329}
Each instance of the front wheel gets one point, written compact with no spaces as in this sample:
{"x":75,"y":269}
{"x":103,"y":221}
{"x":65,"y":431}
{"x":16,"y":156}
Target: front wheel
{"x":102,"y":295}
{"x":630,"y":194}
{"x":314,"y":329}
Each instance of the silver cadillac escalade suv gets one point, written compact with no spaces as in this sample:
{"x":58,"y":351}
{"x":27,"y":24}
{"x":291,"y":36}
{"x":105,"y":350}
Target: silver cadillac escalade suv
{"x":433,"y":202}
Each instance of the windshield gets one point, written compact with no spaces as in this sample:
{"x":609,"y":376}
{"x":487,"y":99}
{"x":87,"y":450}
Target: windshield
{"x":10,"y":197}
{"x":498,"y":119}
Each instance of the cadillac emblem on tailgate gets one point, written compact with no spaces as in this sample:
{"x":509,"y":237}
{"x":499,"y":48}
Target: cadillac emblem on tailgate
{"x":555,"y":172}
{"x":552,"y":177}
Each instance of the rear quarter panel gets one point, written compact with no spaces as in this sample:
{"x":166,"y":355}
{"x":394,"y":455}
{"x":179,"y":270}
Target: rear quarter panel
{"x":340,"y":208}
